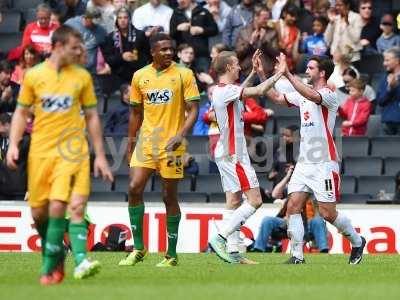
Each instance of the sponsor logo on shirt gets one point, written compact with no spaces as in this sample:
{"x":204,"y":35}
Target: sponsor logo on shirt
{"x":56,"y":103}
{"x":157,"y":97}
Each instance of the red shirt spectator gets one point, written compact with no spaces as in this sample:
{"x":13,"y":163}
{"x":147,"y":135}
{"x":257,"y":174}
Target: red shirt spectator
{"x":355,"y":111}
{"x":38,"y":34}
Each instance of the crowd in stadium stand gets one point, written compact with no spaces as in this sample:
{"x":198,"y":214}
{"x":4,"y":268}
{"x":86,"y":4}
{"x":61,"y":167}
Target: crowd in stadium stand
{"x":361,"y":37}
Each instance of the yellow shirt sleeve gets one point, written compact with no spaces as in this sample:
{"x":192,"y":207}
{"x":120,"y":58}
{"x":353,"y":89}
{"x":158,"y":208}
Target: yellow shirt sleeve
{"x":190,"y":90}
{"x":26,"y":95}
{"x":136,"y":97}
{"x":88,"y":96}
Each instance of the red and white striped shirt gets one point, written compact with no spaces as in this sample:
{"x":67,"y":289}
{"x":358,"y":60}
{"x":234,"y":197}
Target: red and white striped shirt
{"x":228,"y":110}
{"x":38,"y":37}
{"x":317,"y":124}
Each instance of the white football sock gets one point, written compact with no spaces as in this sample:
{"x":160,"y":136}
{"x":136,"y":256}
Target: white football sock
{"x":239,"y":217}
{"x":232,"y":241}
{"x":296,"y":235}
{"x":343,"y":224}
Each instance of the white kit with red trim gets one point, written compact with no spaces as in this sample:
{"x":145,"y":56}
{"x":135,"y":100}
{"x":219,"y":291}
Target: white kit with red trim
{"x":317,"y":169}
{"x":231,"y":156}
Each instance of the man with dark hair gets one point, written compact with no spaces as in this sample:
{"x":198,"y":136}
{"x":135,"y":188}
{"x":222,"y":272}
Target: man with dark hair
{"x":58,"y":159}
{"x":8,"y":89}
{"x":160,"y":94}
{"x":317,"y":168}
{"x":370,"y":31}
{"x":257,"y":35}
{"x":193,"y":25}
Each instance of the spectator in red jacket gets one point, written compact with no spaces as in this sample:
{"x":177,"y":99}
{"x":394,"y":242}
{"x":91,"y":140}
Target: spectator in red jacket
{"x":38,"y":34}
{"x":356,"y":110}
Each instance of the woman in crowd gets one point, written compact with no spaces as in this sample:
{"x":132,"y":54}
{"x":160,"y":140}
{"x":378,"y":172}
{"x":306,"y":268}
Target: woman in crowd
{"x":29,"y":58}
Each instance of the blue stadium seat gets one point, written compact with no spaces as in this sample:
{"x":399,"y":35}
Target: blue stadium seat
{"x":191,"y":197}
{"x":392,"y":165}
{"x":359,"y":166}
{"x":108,"y":196}
{"x":185,"y":185}
{"x":348,"y":185}
{"x":11,"y":22}
{"x":9,"y":41}
{"x":197,"y":144}
{"x":374,"y":125}
{"x":208,"y":184}
{"x":25,"y":4}
{"x":385,"y":146}
{"x":217,"y":198}
{"x":98,"y":185}
{"x":354,"y":198}
{"x":371,"y":185}
{"x":353,"y":146}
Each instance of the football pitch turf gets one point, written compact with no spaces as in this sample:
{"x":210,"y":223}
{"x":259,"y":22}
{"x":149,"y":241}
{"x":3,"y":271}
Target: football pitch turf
{"x":203,"y":276}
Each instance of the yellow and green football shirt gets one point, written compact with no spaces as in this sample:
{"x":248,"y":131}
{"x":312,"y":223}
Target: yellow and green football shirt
{"x":163,"y":95}
{"x":57,"y":97}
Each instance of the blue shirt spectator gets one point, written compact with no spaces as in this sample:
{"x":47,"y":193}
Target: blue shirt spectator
{"x":315,"y":44}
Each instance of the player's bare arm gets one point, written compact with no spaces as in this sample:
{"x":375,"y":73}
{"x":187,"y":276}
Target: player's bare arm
{"x":304,"y":90}
{"x":94,"y":128}
{"x":255,"y":61}
{"x":267,"y":84}
{"x":135,"y":122}
{"x":18,"y":125}
{"x":192,"y":110}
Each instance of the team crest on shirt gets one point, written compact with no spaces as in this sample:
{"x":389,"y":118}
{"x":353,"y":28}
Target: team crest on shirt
{"x":161,"y":96}
{"x":306,"y":116}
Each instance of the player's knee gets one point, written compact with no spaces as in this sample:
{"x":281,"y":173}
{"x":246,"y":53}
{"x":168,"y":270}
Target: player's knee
{"x":57,"y":209}
{"x":255,"y":201}
{"x":135,"y":189}
{"x":328,"y":214}
{"x":77,"y":211}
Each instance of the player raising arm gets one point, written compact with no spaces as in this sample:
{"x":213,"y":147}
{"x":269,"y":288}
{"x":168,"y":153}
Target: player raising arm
{"x":231,"y":156}
{"x":317,"y":169}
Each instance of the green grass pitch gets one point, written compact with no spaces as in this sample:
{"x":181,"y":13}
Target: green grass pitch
{"x":203,"y":276}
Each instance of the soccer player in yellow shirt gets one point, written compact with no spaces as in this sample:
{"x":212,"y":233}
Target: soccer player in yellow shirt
{"x":160,"y":94}
{"x":58,"y":159}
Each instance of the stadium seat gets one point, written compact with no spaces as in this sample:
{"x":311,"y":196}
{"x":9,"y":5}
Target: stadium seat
{"x":119,"y":166}
{"x":208,"y":184}
{"x":348,"y":185}
{"x":193,"y":197}
{"x":184,"y":185}
{"x":197,"y":144}
{"x":203,"y":160}
{"x":9,"y":41}
{"x":358,"y":166}
{"x":99,"y":185}
{"x":385,"y":146}
{"x":29,"y":15}
{"x":283,"y":111}
{"x":354,"y":198}
{"x":217,"y":198}
{"x":269,"y":126}
{"x":122,"y":183}
{"x":108,"y":196}
{"x":285,"y":121}
{"x":374,"y":125}
{"x":25,"y":4}
{"x":190,"y":197}
{"x":116,"y":145}
{"x":353,"y":146}
{"x":11,"y":22}
{"x":373,"y":184}
{"x":392,"y":165}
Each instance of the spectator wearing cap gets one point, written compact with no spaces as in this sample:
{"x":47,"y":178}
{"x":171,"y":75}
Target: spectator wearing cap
{"x":344,"y":30}
{"x":388,"y":39}
{"x":356,"y":110}
{"x":93,"y":35}
{"x":38,"y":33}
{"x":8,"y":89}
{"x":126,"y":49}
{"x":388,"y":95}
{"x":240,"y":16}
{"x":152,"y":17}
{"x":107,"y":17}
{"x":193,"y":25}
{"x":370,"y":31}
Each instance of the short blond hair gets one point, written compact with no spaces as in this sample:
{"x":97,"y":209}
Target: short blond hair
{"x":358,"y":84}
{"x":223,"y":59}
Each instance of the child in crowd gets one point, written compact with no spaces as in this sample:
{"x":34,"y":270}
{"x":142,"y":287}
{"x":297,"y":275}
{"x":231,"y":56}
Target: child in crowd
{"x":388,"y":38}
{"x":356,"y":110}
{"x":315,"y":44}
